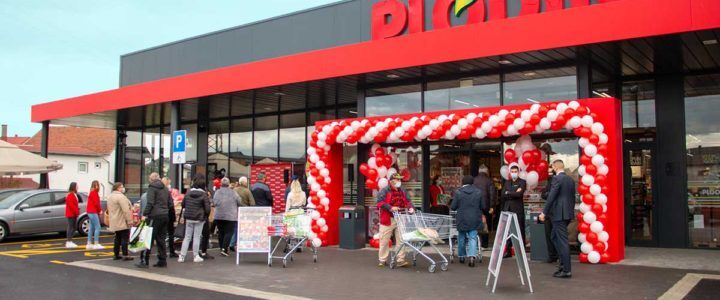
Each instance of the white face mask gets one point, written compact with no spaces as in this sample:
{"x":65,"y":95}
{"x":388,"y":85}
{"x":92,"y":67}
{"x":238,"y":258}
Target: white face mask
{"x":514,"y":176}
{"x":122,"y":190}
{"x":398,"y":184}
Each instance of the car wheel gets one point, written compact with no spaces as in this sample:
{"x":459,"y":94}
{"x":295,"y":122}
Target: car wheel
{"x":84,"y":226}
{"x":4,"y":232}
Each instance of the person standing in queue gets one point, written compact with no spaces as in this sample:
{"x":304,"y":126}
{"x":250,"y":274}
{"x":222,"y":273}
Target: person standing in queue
{"x":392,"y":198}
{"x":93,"y":211}
{"x":156,"y":214}
{"x":171,"y":218}
{"x":72,"y":211}
{"x":483,"y":182}
{"x":196,"y":206}
{"x":119,"y":210}
{"x":226,"y":214}
{"x":552,"y":253}
{"x":261,"y":191}
{"x":512,"y":194}
{"x":469,"y":203}
{"x":246,"y":199}
{"x":560,"y":210}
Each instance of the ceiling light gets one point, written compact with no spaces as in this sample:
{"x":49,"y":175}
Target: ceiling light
{"x":533,"y":101}
{"x":353,"y":112}
{"x":462,"y":102}
{"x":596,"y":93}
{"x":710,"y":42}
{"x":268,"y":108}
{"x":530,"y":74}
{"x":393,"y":76}
{"x":504,"y":62}
{"x":279,"y":94}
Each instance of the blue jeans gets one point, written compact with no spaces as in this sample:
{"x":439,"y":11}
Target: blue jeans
{"x":472,"y":244}
{"x":233,"y":240}
{"x":94,"y":230}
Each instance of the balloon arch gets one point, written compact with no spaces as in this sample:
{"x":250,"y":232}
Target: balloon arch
{"x":597,"y":122}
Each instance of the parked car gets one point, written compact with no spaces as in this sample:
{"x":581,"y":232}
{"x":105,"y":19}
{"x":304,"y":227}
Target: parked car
{"x":7,"y":192}
{"x":40,"y":211}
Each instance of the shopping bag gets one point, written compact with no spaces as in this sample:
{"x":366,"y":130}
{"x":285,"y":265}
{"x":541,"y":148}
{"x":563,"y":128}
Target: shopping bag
{"x":180,"y":227}
{"x":143,"y":238}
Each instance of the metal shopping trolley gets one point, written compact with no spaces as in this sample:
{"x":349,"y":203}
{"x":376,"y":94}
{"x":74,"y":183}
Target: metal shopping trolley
{"x":419,"y":230}
{"x":452,"y":240}
{"x":294,"y":229}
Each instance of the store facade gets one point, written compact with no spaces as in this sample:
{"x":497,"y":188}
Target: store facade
{"x":256,"y":100}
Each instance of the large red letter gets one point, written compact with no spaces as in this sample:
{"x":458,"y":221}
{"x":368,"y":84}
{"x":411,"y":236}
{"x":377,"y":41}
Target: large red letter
{"x":441,"y":14}
{"x":498,"y":10}
{"x":382,"y":27}
{"x":476,"y":12}
{"x":551,"y":5}
{"x":578,"y":3}
{"x":528,"y":7}
{"x":416,"y":18}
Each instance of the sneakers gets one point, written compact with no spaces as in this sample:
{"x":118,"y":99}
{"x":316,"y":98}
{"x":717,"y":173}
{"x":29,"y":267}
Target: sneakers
{"x":181,"y":259}
{"x":70,"y":245}
{"x":198,"y":259}
{"x":381,"y":264}
{"x":402,"y":264}
{"x":90,"y":246}
{"x":224,"y":253}
{"x":98,"y":247}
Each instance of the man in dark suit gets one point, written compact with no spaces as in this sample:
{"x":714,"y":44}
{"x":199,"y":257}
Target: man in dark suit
{"x":486,"y":185}
{"x":512,"y":193}
{"x":560,"y":209}
{"x":552,"y":253}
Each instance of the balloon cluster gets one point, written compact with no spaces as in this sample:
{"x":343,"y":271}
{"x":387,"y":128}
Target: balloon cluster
{"x":378,"y":169}
{"x":375,"y":241}
{"x":464,"y":125}
{"x":530,"y":160}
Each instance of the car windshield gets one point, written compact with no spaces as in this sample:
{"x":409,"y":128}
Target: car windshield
{"x":7,"y":193}
{"x":13,"y":199}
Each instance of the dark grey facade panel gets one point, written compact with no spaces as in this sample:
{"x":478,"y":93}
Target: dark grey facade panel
{"x":342,"y":23}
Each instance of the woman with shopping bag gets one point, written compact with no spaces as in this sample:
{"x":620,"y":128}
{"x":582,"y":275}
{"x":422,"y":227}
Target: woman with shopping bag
{"x":120,"y":220}
{"x":195,"y":208}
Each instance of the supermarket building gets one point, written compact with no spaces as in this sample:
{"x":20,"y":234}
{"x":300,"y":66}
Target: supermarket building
{"x":249,"y":96}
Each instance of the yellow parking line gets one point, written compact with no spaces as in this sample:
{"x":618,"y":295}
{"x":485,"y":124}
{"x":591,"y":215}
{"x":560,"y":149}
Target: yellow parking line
{"x":14,"y":255}
{"x":57,"y":262}
{"x":25,"y":253}
{"x":50,"y":240}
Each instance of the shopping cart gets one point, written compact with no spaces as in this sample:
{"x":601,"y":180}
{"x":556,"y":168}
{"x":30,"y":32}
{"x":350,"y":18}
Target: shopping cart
{"x":293,"y":230}
{"x":419,"y":230}
{"x":452,"y":240}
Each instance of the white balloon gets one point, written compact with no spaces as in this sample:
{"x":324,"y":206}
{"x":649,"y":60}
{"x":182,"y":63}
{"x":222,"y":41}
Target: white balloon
{"x":601,"y":199}
{"x":311,"y":180}
{"x":399,"y":132}
{"x":323,"y":135}
{"x":382,"y":171}
{"x":523,"y":174}
{"x":321,"y":194}
{"x":328,"y":180}
{"x":405,"y":125}
{"x":597,"y":128}
{"x":382,"y":183}
{"x":449,"y":135}
{"x":325,"y":172}
{"x":463,"y":123}
{"x":442,"y":118}
{"x":552,"y":115}
{"x":574,"y":122}
{"x":480,"y":133}
{"x":595,"y":190}
{"x":603,"y":139}
{"x":581,"y":170}
{"x":590,"y":150}
{"x":532,"y":179}
{"x":603,"y":170}
{"x":434,"y":124}
{"x":316,"y":242}
{"x":471,"y":117}
{"x":354,"y":125}
{"x":503,"y":113}
{"x":561,"y":107}
{"x":586,"y":247}
{"x":535,"y":108}
{"x":584,"y":208}
{"x":588,"y":180}
{"x":372,"y":132}
{"x":604,"y":208}
{"x":583,"y":142}
{"x":372,"y":163}
{"x":545,"y":123}
{"x":573,"y":104}
{"x":582,"y":237}
{"x":455,"y":129}
{"x":589,"y":217}
{"x":521,"y":164}
{"x":493,"y":120}
{"x":486,"y":126}
{"x":324,"y":228}
{"x":587,"y":121}
{"x":321,"y":143}
{"x":596,"y":227}
{"x":315,"y":187}
{"x":325,"y":201}
{"x":594,"y":257}
{"x":311,"y":151}
{"x":326,"y":148}
{"x":311,"y":235}
{"x":426,"y":130}
{"x":525,"y":115}
{"x":603,"y":236}
{"x":505,"y":172}
{"x":321,"y":222}
{"x":391,"y":171}
{"x":598,"y":160}
{"x":320,"y":165}
{"x":511,"y":130}
{"x":518,"y":124}
{"x":314,"y":214}
{"x":314,"y":158}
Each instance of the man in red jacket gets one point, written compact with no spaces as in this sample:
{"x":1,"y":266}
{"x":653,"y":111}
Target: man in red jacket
{"x":390,"y":199}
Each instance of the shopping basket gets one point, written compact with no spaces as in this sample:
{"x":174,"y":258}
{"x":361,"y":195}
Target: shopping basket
{"x":419,"y":230}
{"x":293,"y":229}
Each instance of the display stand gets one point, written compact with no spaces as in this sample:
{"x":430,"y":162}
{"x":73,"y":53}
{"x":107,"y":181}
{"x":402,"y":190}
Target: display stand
{"x":252,"y":231}
{"x":508,"y":228}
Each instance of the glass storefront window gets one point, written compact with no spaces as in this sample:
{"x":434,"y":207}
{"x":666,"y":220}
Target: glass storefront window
{"x":240,"y":148}
{"x":218,"y":149}
{"x":702,"y":102}
{"x":292,"y":137}
{"x":191,"y":142}
{"x":151,"y":154}
{"x":463,"y":93}
{"x":165,"y":151}
{"x":393,"y":100}
{"x":266,"y":139}
{"x":133,"y":160}
{"x":409,"y":165}
{"x":540,"y":86}
{"x":638,"y":104}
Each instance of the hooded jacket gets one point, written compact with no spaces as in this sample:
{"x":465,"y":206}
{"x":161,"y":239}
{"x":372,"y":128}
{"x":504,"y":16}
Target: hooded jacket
{"x":196,"y":205}
{"x":469,"y":203}
{"x":261,"y":193}
{"x":157,"y":200}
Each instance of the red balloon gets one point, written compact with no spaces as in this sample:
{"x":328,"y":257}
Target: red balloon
{"x":510,"y":118}
{"x":542,"y":167}
{"x":369,"y":183}
{"x":316,"y":228}
{"x":543,"y":110}
{"x":380,"y":160}
{"x":501,"y":125}
{"x":585,"y":160}
{"x":583,"y":189}
{"x":379,"y":152}
{"x":599,"y":247}
{"x":583,"y":258}
{"x":583,"y":132}
{"x":579,"y":217}
{"x":597,"y":209}
{"x":604,"y":258}
{"x":494,"y":133}
{"x":603,"y":149}
{"x":584,"y":228}
{"x":322,"y":235}
{"x":600,"y":179}
{"x":364,"y":169}
{"x":536,"y":155}
{"x":510,"y":156}
{"x":314,"y":172}
{"x":588,"y":199}
{"x":534,"y":119}
{"x":320,"y":208}
{"x":528,"y":128}
{"x":320,"y":179}
{"x":594,"y":139}
{"x":569,"y":112}
{"x":372,"y":174}
{"x":528,"y":157}
{"x":591,"y":237}
{"x":602,"y":218}
{"x":590,"y":169}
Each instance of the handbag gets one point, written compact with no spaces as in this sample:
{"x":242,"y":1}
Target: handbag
{"x":141,"y":238}
{"x":180,"y":227}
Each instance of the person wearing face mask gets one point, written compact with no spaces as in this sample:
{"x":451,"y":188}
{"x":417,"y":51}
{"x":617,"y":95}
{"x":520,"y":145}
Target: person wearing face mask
{"x":552,"y":253}
{"x":560,"y":210}
{"x":436,"y":190}
{"x":391,"y":198}
{"x":121,"y":220}
{"x":512,"y":193}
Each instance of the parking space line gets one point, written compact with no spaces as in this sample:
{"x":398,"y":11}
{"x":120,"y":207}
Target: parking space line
{"x":685,"y":285}
{"x":57,"y":262}
{"x":50,"y":240}
{"x":25,"y":253}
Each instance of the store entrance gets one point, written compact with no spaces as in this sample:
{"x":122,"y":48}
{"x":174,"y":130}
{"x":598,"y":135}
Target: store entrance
{"x":640,"y":199}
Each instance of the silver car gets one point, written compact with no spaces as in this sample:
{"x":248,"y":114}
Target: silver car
{"x":39,"y":211}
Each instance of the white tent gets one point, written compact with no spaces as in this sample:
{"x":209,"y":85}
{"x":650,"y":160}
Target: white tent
{"x":15,"y":161}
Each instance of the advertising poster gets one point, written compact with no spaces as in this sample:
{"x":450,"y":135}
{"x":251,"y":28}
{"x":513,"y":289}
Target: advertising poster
{"x":252,"y":234}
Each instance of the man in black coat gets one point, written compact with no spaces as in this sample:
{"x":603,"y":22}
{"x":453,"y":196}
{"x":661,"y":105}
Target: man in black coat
{"x":469,"y":203}
{"x":261,"y":192}
{"x":156,"y":212}
{"x":512,"y":193}
{"x":483,"y":182}
{"x":560,"y":209}
{"x":552,"y":253}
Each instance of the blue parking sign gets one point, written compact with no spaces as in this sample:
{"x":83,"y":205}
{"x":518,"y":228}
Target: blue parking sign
{"x":179,"y":141}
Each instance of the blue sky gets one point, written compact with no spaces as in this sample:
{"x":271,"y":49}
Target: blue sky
{"x":52,"y":49}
